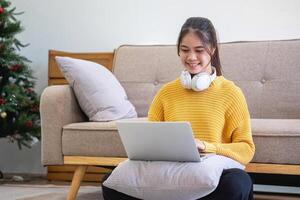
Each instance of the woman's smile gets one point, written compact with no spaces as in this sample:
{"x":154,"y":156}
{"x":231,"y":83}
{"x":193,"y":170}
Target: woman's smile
{"x":193,"y":55}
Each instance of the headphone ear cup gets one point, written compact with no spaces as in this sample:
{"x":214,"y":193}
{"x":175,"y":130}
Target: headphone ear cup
{"x":186,"y":80}
{"x":194,"y":81}
{"x":200,"y":82}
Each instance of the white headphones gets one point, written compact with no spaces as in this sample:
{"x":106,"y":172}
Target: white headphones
{"x":199,"y":82}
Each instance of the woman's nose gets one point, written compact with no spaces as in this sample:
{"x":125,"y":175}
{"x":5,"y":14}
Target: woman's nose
{"x":192,"y":56}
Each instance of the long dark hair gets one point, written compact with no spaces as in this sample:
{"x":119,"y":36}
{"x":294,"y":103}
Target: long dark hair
{"x":206,"y":32}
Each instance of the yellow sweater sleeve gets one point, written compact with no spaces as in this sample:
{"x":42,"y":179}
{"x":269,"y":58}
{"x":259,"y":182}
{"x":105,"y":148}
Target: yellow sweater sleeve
{"x":156,"y":110}
{"x":241,"y":148}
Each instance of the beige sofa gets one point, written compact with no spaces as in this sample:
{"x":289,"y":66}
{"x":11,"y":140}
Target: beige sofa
{"x":268,"y":73}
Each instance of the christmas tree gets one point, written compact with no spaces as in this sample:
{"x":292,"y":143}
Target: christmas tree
{"x":19,"y":104}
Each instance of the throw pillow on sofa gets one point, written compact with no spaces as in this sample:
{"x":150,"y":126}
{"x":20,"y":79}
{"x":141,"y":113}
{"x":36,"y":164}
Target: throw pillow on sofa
{"x":153,"y":180}
{"x":99,"y":93}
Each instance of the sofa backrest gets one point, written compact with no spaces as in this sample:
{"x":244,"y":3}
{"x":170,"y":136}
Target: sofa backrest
{"x":268,"y":72}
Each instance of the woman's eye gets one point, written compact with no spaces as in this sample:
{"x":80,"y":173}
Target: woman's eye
{"x":184,"y":50}
{"x":199,"y":50}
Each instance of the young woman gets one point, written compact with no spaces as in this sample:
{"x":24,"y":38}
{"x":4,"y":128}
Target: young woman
{"x":215,"y":107}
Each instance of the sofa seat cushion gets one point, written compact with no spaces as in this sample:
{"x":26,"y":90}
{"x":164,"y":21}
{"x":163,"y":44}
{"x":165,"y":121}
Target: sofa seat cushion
{"x":276,"y":140}
{"x":93,"y":139}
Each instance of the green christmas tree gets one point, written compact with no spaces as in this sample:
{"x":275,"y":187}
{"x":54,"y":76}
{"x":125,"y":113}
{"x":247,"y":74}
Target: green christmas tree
{"x":19,"y":104}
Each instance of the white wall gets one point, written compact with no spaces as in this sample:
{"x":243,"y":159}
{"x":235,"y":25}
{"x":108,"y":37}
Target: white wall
{"x":102,"y":25}
{"x":13,"y":160}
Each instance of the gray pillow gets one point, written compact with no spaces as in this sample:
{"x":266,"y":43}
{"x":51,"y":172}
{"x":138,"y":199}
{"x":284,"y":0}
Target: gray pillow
{"x":99,"y":93}
{"x":152,"y":180}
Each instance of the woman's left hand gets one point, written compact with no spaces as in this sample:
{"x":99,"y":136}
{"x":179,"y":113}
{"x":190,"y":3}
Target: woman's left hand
{"x":200,"y":145}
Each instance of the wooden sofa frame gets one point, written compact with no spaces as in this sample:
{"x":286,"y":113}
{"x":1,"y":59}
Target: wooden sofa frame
{"x":81,"y":163}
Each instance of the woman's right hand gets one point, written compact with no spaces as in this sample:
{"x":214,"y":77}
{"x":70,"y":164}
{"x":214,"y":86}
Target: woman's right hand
{"x":200,"y":145}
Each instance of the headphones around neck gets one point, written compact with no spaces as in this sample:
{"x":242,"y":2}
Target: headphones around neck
{"x":199,"y":82}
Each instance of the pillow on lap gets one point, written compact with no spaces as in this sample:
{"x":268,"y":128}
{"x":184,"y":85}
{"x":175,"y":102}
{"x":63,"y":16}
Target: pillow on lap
{"x":99,"y":93}
{"x":169,"y":180}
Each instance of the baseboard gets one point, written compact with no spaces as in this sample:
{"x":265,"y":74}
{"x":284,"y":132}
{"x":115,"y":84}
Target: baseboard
{"x":65,"y":173}
{"x":269,"y":196}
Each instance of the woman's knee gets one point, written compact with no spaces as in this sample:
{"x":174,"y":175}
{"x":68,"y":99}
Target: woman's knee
{"x":236,"y":183}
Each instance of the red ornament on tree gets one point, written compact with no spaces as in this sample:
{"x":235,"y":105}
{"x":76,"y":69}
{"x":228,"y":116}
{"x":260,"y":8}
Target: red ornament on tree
{"x":1,"y":10}
{"x":28,"y":90}
{"x":28,"y":124}
{"x":35,"y":108}
{"x":15,"y":67}
{"x":2,"y":101}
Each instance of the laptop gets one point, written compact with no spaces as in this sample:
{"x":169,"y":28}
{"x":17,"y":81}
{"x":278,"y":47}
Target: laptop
{"x":159,"y":141}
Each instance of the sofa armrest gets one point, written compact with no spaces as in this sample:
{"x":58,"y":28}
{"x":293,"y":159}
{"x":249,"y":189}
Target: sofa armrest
{"x":58,"y":107}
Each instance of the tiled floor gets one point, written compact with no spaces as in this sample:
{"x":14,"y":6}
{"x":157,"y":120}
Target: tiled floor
{"x":25,"y":188}
{"x":46,"y":192}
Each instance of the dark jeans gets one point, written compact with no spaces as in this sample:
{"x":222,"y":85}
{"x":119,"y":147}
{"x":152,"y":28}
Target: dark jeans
{"x":235,"y":184}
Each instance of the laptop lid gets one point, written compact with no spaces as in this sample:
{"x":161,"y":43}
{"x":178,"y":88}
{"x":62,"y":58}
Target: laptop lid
{"x":158,"y":141}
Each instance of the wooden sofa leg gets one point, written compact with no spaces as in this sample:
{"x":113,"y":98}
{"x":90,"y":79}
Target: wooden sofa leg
{"x":76,"y":181}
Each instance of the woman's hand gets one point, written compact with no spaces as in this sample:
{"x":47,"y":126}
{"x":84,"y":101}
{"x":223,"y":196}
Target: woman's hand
{"x":200,"y":145}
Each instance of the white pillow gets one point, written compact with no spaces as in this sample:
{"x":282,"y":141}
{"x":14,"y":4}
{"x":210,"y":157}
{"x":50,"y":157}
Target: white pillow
{"x":152,"y":180}
{"x":99,"y":93}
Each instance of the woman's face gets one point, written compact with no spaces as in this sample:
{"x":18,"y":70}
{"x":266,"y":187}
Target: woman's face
{"x":193,"y":55}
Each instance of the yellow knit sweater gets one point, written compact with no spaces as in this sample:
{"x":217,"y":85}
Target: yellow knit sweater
{"x":219,"y":116}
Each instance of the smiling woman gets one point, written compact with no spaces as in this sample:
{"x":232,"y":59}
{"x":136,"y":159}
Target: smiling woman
{"x":215,"y":107}
{"x":197,"y":46}
{"x":193,"y":54}
{"x":198,"y":50}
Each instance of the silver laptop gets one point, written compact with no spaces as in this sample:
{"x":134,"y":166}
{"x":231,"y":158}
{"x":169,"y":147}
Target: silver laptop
{"x":158,"y":141}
